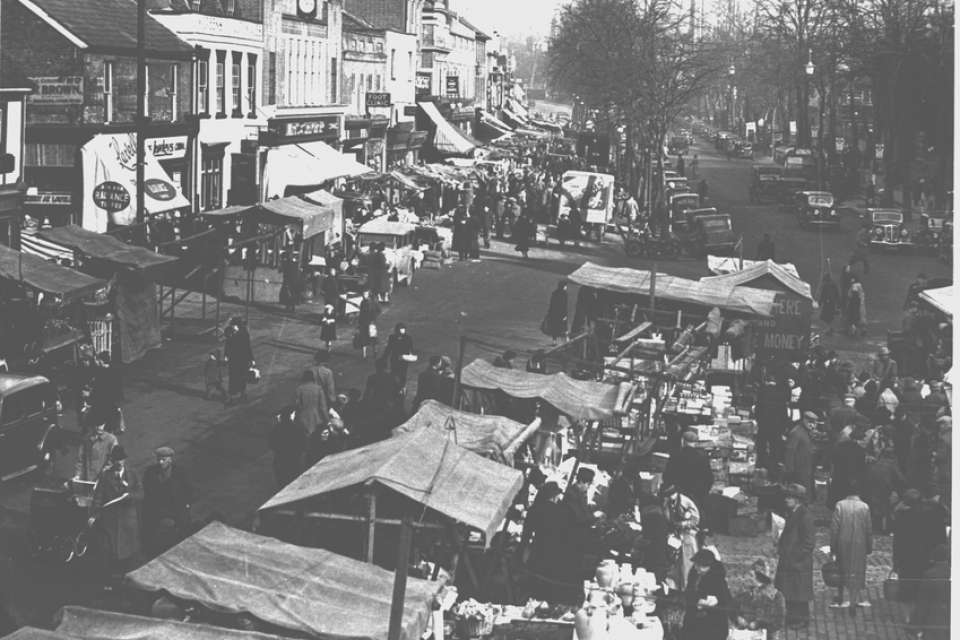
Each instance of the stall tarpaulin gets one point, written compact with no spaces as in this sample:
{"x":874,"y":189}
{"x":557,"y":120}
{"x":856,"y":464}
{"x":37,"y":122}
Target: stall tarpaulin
{"x":746,"y":300}
{"x":46,"y":277}
{"x":107,"y":248}
{"x":434,"y":472}
{"x":311,"y":591}
{"x":941,"y":299}
{"x":93,"y":624}
{"x":304,"y":165}
{"x":579,"y":399}
{"x":110,"y":183}
{"x":485,"y":435}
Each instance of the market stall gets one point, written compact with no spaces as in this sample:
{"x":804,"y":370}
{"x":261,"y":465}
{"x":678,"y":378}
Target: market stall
{"x":296,"y":589}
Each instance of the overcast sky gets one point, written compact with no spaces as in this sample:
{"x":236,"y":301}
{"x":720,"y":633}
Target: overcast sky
{"x":520,"y":17}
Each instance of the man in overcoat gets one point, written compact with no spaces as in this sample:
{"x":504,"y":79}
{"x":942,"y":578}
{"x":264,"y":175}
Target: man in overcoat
{"x":115,"y":511}
{"x":794,"y":577}
{"x":798,"y":456}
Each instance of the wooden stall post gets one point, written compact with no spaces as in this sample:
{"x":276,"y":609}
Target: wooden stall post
{"x":400,"y":581}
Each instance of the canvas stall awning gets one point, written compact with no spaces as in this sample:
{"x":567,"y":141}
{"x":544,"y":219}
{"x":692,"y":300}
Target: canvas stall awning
{"x":312,"y":213}
{"x":722,"y":265}
{"x":757,"y":302}
{"x":941,"y":299}
{"x":110,"y":183}
{"x":579,"y":399}
{"x":306,"y":164}
{"x":46,"y":277}
{"x":108,"y":248}
{"x":312,"y":591}
{"x":447,"y":138}
{"x":434,"y":472}
{"x":759,"y":270}
{"x":79,"y":623}
{"x":486,"y":435}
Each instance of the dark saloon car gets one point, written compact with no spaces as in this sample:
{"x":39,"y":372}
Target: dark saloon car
{"x":888,"y":231}
{"x":815,"y":209}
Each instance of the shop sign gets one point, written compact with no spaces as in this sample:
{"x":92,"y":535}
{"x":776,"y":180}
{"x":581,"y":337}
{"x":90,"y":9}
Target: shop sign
{"x":111,"y":196}
{"x":787,"y":334}
{"x":66,"y":90}
{"x":167,"y":148}
{"x":378,"y":99}
{"x":453,"y":87}
{"x":51,"y":197}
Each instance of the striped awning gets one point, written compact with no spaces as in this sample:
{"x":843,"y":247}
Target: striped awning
{"x":446,"y":137}
{"x":37,"y":246}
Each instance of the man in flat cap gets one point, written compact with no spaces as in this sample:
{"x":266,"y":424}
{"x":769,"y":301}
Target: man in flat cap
{"x":168,"y":494}
{"x":798,"y":457}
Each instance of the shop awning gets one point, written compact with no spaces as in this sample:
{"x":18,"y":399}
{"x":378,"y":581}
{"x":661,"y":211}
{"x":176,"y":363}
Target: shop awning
{"x":311,"y":591}
{"x":110,"y":183}
{"x":941,"y":299}
{"x":46,"y":277}
{"x":494,"y":436}
{"x":446,"y":137}
{"x":80,"y":623}
{"x":313,"y":212}
{"x":434,"y":472}
{"x":107,"y":248}
{"x":579,"y":399}
{"x":405,"y":181}
{"x":747,"y":300}
{"x":306,"y":164}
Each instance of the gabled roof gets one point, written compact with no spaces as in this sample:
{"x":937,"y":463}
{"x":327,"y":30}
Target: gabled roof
{"x":758,"y":270}
{"x":105,"y":24}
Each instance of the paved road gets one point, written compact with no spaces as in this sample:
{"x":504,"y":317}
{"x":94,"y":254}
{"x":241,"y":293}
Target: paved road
{"x":500,"y":300}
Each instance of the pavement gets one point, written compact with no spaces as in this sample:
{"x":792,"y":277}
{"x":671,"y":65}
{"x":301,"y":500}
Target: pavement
{"x":499,"y":301}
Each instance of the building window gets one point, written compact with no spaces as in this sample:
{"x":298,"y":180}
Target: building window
{"x":221,"y":84}
{"x":252,"y":84}
{"x":334,"y":76}
{"x":211,"y":181}
{"x":272,"y":78}
{"x":236,"y":88}
{"x":393,"y":64}
{"x":108,"y":90}
{"x":203,"y":87}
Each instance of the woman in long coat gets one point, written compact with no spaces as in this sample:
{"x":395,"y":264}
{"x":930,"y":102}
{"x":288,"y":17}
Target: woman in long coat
{"x":367,"y":332}
{"x":829,"y":301}
{"x":379,"y":272}
{"x":309,"y":401}
{"x":851,"y":541}
{"x":239,"y":355}
{"x":794,"y":577}
{"x":555,"y":322}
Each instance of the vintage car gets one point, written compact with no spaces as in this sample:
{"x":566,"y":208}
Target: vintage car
{"x":743,"y":149}
{"x":400,"y":240}
{"x":945,"y":246}
{"x":763,"y":185}
{"x":928,"y":237}
{"x":679,"y":205}
{"x":787,"y":187}
{"x":713,"y":231}
{"x":29,"y":424}
{"x":887,"y":230}
{"x":815,"y":209}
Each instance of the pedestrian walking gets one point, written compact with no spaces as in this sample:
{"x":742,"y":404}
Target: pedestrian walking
{"x":167,"y":496}
{"x":798,"y":454}
{"x":766,"y":250}
{"x":239,"y":355}
{"x":855,"y":318}
{"x":399,"y":347}
{"x":760,"y":606}
{"x":288,"y":443}
{"x":861,"y":247}
{"x":706,"y":599}
{"x":695,"y":167}
{"x":794,"y":578}
{"x":851,"y":541}
{"x":290,"y":281}
{"x":367,"y":332}
{"x":115,"y":512}
{"x":829,"y":302}
{"x":94,"y":452}
{"x":328,"y":325}
{"x":555,"y":321}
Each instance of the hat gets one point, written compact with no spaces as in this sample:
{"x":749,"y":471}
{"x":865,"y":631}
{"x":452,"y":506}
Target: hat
{"x":759,"y":568}
{"x":164,"y":452}
{"x":797,"y":491}
{"x":690,"y":436}
{"x":118,"y":453}
{"x":884,"y":351}
{"x":811,"y":415}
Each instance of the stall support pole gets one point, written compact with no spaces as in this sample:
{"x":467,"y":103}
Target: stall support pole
{"x":372,"y":525}
{"x":400,"y":581}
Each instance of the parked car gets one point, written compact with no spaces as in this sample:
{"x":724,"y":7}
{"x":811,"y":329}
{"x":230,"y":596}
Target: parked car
{"x":713,"y":230}
{"x":30,"y":433}
{"x":787,"y":187}
{"x":888,"y":230}
{"x":931,"y":229}
{"x":945,"y":246}
{"x":763,"y":185}
{"x":815,"y":209}
{"x":400,"y":239}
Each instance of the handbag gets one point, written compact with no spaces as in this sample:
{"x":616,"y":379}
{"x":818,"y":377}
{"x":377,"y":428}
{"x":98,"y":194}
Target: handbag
{"x":891,"y":588}
{"x":831,"y":574}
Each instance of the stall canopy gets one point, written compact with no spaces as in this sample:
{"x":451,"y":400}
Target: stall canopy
{"x":941,"y":298}
{"x":311,"y":591}
{"x":579,"y":399}
{"x":313,"y":213}
{"x":432,"y":471}
{"x":92,"y":624}
{"x":108,"y":248}
{"x":722,"y":265}
{"x":756,"y":302}
{"x":304,"y":165}
{"x":447,"y":138}
{"x":486,"y":435}
{"x":46,"y":277}
{"x":759,"y":271}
